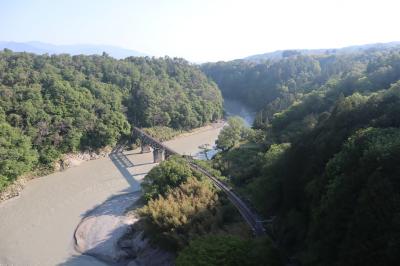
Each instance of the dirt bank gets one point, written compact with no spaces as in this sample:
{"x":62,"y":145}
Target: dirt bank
{"x":67,"y":161}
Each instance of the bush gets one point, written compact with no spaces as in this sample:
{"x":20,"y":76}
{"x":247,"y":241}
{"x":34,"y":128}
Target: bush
{"x":184,"y":212}
{"x":228,"y":251}
{"x":231,"y":134}
{"x":167,"y":175}
{"x":16,"y":154}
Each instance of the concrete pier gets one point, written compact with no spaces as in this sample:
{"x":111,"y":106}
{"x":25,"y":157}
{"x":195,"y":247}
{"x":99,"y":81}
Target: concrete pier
{"x":158,"y":155}
{"x":145,"y":148}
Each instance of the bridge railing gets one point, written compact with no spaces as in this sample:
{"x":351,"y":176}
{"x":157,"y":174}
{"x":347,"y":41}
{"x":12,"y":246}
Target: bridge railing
{"x":153,"y":142}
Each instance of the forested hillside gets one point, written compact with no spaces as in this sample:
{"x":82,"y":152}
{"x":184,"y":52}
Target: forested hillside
{"x":185,"y":214}
{"x":272,"y":86}
{"x":328,"y":164}
{"x":276,"y":55}
{"x":323,"y":157}
{"x":50,"y":105}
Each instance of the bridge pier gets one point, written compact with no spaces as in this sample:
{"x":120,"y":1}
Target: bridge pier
{"x":145,"y":148}
{"x":158,"y":155}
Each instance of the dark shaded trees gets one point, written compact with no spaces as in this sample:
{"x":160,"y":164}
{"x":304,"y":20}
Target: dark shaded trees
{"x":228,"y":251}
{"x":330,"y":174}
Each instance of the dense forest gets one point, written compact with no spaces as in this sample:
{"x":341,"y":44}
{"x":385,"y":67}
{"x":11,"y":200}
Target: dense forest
{"x":322,"y":159}
{"x":51,"y":105}
{"x":327,"y":165}
{"x":274,"y":85}
{"x":185,"y":214}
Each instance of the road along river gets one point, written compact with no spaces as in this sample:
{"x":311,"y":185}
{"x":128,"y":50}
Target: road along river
{"x":37,"y":227}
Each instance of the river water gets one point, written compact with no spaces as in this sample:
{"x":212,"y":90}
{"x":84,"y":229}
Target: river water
{"x":232,"y":108}
{"x":37,"y":227}
{"x":236,"y":108}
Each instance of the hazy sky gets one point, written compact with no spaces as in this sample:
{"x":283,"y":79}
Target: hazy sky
{"x":203,"y":30}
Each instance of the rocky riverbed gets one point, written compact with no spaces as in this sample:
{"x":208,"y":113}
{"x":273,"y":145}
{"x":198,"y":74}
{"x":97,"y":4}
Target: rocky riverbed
{"x":68,"y":160}
{"x":108,"y":233}
{"x":38,"y":226}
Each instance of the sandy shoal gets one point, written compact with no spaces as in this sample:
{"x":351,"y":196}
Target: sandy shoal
{"x":37,"y":227}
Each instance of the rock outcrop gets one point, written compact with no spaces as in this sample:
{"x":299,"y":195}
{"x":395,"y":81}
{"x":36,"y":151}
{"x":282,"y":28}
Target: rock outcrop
{"x":107,"y":233}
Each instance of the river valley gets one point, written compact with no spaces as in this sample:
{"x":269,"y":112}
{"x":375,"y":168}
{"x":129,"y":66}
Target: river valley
{"x":37,"y":227}
{"x":236,"y":108}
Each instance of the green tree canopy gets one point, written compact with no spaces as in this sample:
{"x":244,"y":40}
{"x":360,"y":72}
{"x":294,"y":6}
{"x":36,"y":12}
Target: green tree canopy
{"x":64,"y":103}
{"x":16,"y":154}
{"x":167,"y":175}
{"x":186,"y":211}
{"x":328,"y":167}
{"x":231,"y":134}
{"x":228,"y":251}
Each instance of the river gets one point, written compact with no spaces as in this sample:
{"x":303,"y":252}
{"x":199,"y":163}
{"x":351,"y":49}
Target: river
{"x":232,"y":108}
{"x":37,"y":227}
{"x":236,"y":108}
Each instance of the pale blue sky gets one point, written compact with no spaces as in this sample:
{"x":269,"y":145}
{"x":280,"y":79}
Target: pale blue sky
{"x":203,"y":30}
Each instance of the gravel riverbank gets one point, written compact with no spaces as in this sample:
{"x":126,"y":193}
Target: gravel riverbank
{"x":37,"y":227}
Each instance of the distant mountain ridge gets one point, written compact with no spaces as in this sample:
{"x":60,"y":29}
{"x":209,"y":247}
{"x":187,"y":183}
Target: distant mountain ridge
{"x":74,"y":49}
{"x":276,"y":55}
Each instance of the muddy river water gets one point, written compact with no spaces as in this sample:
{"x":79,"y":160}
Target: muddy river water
{"x":37,"y":227}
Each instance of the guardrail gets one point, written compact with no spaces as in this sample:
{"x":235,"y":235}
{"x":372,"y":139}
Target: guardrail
{"x":154,"y":142}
